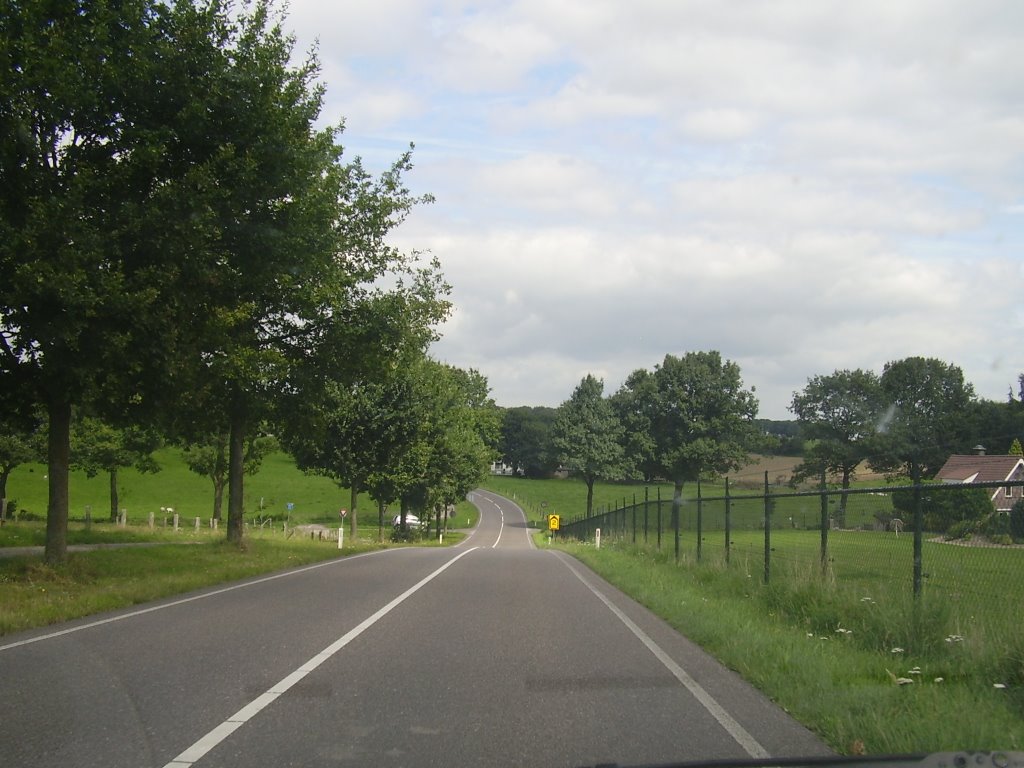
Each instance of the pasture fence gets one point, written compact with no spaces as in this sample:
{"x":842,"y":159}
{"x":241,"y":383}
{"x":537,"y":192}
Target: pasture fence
{"x":855,"y":536}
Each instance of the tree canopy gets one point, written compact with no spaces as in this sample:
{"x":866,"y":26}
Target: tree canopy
{"x":838,"y":413}
{"x":699,"y":416}
{"x":925,"y":417}
{"x":172,"y":220}
{"x":587,"y":436}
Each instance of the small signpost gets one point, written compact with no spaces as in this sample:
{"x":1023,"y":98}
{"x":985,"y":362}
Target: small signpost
{"x":341,"y":528}
{"x":554,"y":524}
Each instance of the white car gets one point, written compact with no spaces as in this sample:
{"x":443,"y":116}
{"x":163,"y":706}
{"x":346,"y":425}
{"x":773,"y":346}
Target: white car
{"x":411,"y":521}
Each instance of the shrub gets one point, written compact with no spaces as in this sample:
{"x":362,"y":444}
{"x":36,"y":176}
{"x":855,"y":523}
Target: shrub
{"x":945,"y":506}
{"x":996,"y":524}
{"x":1017,"y":520}
{"x":962,"y":530}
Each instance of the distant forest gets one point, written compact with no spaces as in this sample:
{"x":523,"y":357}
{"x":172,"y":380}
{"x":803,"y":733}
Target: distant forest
{"x":787,"y":440}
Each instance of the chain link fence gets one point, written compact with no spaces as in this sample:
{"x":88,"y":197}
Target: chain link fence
{"x":894,"y":540}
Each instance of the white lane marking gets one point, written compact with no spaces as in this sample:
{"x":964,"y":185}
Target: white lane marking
{"x":140,"y":612}
{"x":501,"y":528}
{"x":474,"y":497}
{"x":716,"y":710}
{"x":250,"y":710}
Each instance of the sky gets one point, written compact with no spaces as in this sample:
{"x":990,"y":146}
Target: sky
{"x":803,"y":186}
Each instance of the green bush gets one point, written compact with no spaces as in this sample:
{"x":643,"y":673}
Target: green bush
{"x":945,"y":506}
{"x":996,"y":524}
{"x":1017,"y":520}
{"x":962,"y":530}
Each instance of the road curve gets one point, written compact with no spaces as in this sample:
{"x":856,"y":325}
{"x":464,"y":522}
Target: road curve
{"x":493,"y":652}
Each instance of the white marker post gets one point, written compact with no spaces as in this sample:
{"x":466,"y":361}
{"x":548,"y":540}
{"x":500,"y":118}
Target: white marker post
{"x":597,"y":538}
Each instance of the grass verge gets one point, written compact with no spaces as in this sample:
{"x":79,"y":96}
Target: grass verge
{"x":33,"y":594}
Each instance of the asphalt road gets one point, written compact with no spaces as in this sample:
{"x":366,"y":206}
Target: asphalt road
{"x":490,"y":653}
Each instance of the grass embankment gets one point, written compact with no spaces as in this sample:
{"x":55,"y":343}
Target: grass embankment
{"x":833,"y":650}
{"x":33,"y":594}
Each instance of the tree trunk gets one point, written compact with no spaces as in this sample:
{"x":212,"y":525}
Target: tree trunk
{"x":352,"y":513}
{"x":381,"y":506}
{"x":218,"y":496}
{"x":590,"y":494}
{"x":59,"y":460}
{"x":113,"y":496}
{"x":4,"y":474}
{"x":844,"y":498}
{"x":236,"y":471}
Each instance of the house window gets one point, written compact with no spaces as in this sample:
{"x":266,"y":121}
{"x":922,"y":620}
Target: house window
{"x":1008,"y":491}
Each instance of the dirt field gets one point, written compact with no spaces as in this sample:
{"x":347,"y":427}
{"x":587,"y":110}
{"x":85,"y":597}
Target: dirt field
{"x":780,"y":469}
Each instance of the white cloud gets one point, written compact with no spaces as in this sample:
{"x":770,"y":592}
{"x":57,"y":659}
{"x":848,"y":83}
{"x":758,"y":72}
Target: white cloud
{"x":715,"y":124}
{"x":801,"y":185}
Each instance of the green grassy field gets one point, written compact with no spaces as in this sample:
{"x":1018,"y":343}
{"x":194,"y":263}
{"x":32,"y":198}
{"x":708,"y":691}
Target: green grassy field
{"x":314,"y":498}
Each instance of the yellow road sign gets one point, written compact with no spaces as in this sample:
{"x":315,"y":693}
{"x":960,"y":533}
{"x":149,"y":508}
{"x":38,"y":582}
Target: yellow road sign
{"x":554,"y":522}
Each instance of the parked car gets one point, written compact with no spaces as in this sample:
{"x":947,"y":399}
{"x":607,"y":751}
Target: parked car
{"x":411,"y":521}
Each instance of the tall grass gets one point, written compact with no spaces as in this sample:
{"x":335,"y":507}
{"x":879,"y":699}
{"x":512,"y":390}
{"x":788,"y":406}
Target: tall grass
{"x":34,"y":594}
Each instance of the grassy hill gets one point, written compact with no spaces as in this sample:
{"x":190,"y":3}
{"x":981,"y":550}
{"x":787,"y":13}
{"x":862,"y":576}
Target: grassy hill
{"x":268,"y":492}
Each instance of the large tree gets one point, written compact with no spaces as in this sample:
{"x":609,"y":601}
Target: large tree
{"x":336,"y":420}
{"x":208,"y":456}
{"x":925,"y":418}
{"x":697,"y":414}
{"x":526,"y":440}
{"x":635,"y":404}
{"x":462,"y":437}
{"x":419,"y":434}
{"x":838,"y":413}
{"x":91,"y":300}
{"x":587,"y":436}
{"x":295,"y":246}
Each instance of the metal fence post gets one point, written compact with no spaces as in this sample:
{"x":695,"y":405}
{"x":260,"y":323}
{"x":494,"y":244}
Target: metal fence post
{"x":659,"y":518}
{"x":918,"y":531}
{"x":677,"y":504}
{"x":646,"y":499}
{"x":728,"y":521}
{"x":824,"y":525}
{"x":767,"y":531}
{"x":700,"y":522}
{"x":633,"y":510}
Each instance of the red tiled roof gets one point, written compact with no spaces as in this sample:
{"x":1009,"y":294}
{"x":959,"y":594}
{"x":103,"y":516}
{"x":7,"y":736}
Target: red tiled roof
{"x":981,"y":469}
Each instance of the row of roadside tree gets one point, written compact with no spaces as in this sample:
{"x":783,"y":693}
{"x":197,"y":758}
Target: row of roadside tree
{"x":691,"y":417}
{"x":185,"y":253}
